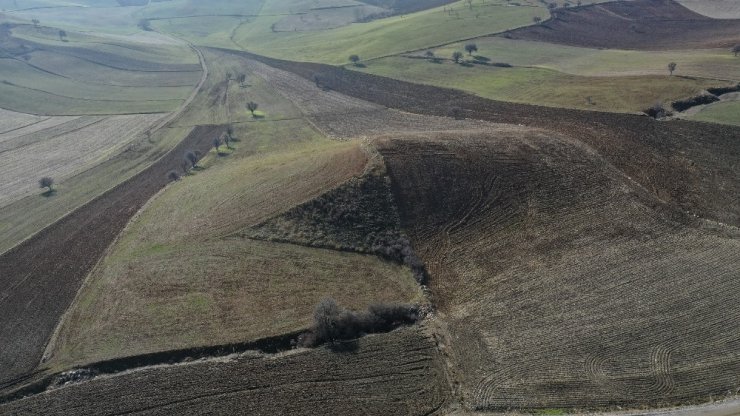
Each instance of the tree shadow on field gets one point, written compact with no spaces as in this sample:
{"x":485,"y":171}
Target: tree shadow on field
{"x":466,"y":64}
{"x":49,"y":193}
{"x":481,"y":58}
{"x":349,"y":346}
{"x":222,"y":154}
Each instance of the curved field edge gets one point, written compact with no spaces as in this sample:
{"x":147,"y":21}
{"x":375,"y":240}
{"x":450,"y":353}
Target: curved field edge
{"x":175,"y":282}
{"x":23,"y":219}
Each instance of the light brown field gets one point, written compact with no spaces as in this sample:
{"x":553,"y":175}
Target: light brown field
{"x":61,"y":153}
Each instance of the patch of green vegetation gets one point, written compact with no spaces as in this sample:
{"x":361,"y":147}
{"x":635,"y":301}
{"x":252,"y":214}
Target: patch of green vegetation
{"x":376,"y":38}
{"x":708,"y":63}
{"x":725,"y":112}
{"x":543,"y":86}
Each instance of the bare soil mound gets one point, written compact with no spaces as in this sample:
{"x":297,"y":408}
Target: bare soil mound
{"x":640,"y":24}
{"x":399,"y":373}
{"x":563,"y":283}
{"x":41,"y":276}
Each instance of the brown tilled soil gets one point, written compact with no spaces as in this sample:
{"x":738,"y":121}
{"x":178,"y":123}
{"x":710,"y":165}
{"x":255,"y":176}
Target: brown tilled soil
{"x":563,"y":283}
{"x":692,"y":166}
{"x":399,"y":373}
{"x":41,"y":276}
{"x":639,"y":24}
{"x":569,"y":263}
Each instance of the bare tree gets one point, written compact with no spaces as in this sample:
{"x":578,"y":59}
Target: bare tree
{"x":62,"y":35}
{"x":429,"y":54}
{"x":326,"y":317}
{"x":216,"y":143}
{"x":35,"y":23}
{"x":252,"y":107}
{"x":242,"y":78}
{"x":736,"y":49}
{"x":192,"y":158}
{"x":47,"y":182}
{"x":456,"y":56}
{"x":470,"y":48}
{"x":355,"y":59}
{"x":671,"y":67}
{"x":537,"y":20}
{"x":226,"y":139}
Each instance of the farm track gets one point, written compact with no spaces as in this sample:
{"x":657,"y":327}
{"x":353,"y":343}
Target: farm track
{"x":41,"y":276}
{"x":639,"y":24}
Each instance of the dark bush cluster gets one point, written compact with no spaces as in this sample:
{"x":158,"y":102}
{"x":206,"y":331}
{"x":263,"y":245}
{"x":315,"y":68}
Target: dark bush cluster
{"x":657,"y":111}
{"x":333,"y":323}
{"x":685,"y":104}
{"x":398,"y":248}
{"x":723,"y":90}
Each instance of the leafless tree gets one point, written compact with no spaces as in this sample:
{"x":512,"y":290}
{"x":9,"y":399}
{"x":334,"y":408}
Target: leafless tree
{"x":46,"y":182}
{"x":456,"y":56}
{"x":671,"y":67}
{"x":252,"y":107}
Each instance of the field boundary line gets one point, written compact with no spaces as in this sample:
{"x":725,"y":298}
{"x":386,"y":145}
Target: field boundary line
{"x":156,"y":127}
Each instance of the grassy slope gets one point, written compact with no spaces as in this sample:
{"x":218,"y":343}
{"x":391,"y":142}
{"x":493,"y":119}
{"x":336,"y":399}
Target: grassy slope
{"x":543,"y":86}
{"x":708,"y":63}
{"x":721,"y":112}
{"x":27,"y":216}
{"x":211,"y":289}
{"x":718,"y":9}
{"x":377,"y":38}
{"x":172,"y":282}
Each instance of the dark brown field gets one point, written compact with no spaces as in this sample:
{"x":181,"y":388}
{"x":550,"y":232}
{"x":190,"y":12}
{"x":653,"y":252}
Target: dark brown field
{"x":640,"y":24}
{"x":40,"y":277}
{"x":398,"y":373}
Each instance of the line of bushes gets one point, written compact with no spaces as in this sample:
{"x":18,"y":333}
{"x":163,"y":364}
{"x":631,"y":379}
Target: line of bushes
{"x":333,"y":323}
{"x":701,"y":99}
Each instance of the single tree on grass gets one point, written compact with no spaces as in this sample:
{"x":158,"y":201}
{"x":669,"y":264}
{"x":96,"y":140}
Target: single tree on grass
{"x":671,"y":67}
{"x":216,"y":143}
{"x":47,"y":182}
{"x":191,"y":158}
{"x":62,"y":35}
{"x":429,"y":54}
{"x":736,"y":49}
{"x":226,"y":139}
{"x":470,"y":48}
{"x":355,"y":59}
{"x":326,"y":317}
{"x":173,"y":176}
{"x":457,"y":56}
{"x":242,"y":78}
{"x":35,"y":23}
{"x":252,"y":107}
{"x":537,"y":20}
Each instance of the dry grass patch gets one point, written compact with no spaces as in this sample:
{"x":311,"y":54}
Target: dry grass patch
{"x":173,"y":282}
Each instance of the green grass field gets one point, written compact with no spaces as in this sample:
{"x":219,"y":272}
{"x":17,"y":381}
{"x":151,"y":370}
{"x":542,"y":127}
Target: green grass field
{"x":377,"y":38}
{"x":711,"y":63}
{"x":721,"y":112}
{"x":543,"y":86}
